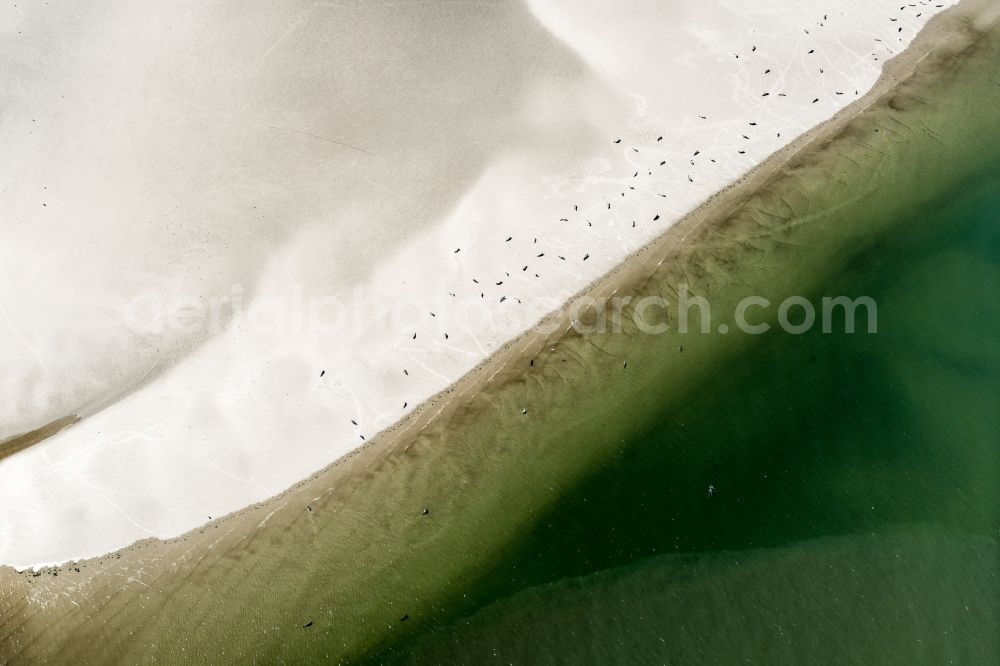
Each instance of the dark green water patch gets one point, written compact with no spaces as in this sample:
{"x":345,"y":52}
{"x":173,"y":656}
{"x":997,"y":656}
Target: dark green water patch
{"x":820,"y":434}
{"x":803,"y":437}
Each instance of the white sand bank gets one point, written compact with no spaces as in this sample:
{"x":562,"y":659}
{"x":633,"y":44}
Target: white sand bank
{"x":292,"y":180}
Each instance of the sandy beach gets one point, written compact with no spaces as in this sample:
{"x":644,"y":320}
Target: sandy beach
{"x":258,"y":273}
{"x":227,"y":549}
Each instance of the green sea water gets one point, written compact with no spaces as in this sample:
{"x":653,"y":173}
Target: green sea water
{"x":854,"y":514}
{"x":723,"y":498}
